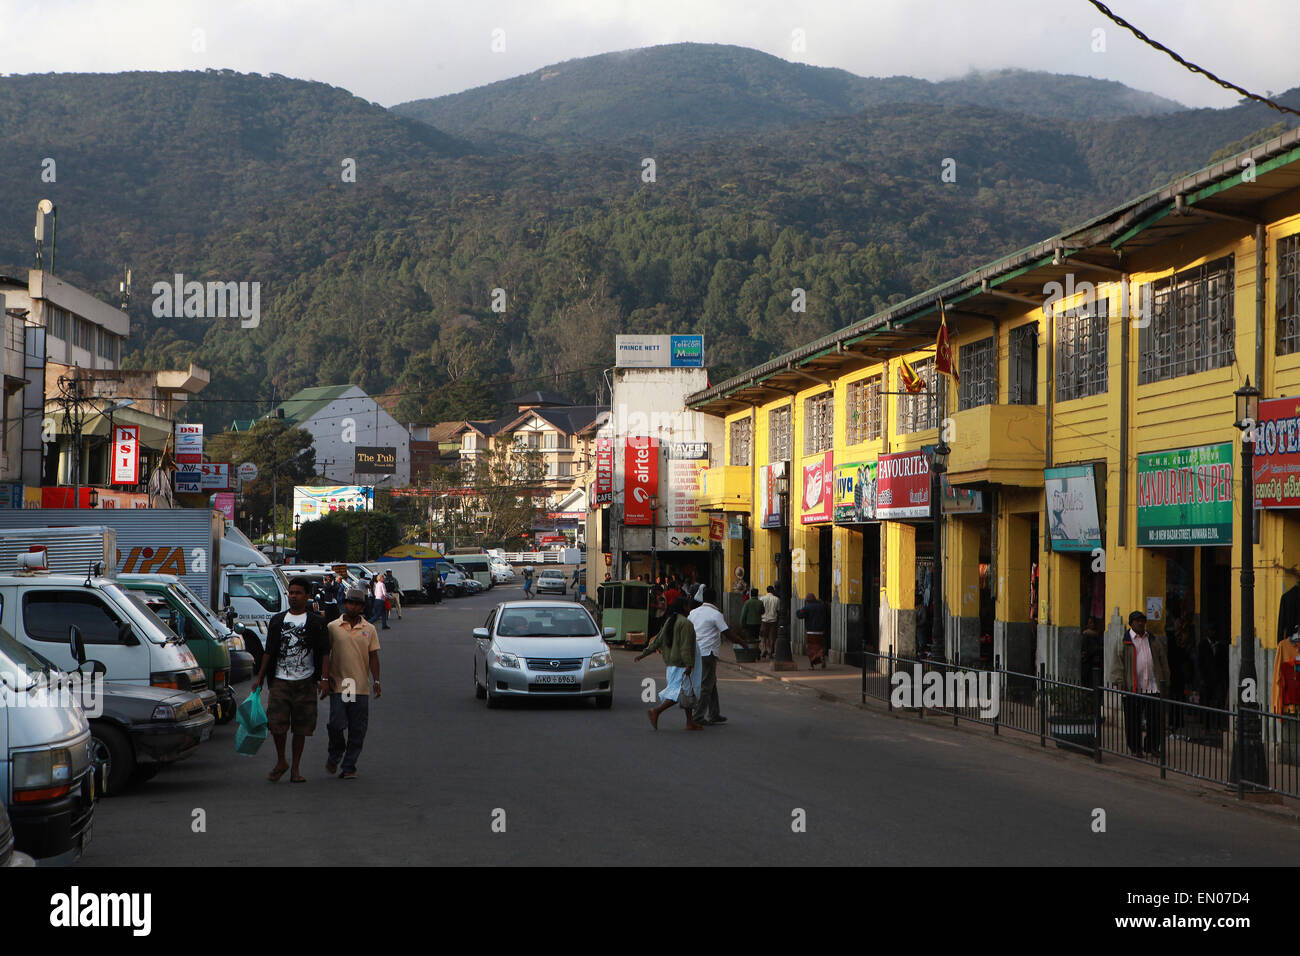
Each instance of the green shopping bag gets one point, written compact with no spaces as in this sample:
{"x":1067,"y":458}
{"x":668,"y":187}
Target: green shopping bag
{"x":252,"y":725}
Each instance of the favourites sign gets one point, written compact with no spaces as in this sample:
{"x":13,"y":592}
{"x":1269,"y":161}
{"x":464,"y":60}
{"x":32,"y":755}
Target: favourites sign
{"x":1184,"y":497}
{"x":1277,"y":454}
{"x":903,"y":485}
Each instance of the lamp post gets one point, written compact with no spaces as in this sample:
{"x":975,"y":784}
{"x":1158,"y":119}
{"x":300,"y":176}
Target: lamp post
{"x":297,"y":524}
{"x":938,"y":465}
{"x":1249,"y":763}
{"x":654,"y":547}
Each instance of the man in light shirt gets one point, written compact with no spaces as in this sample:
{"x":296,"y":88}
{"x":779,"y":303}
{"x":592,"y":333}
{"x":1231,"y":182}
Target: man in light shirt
{"x":710,"y":630}
{"x":1142,"y":668}
{"x":767,"y":626}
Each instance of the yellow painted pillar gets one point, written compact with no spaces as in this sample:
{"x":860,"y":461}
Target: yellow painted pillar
{"x":898,"y":589}
{"x":961,"y":591}
{"x":848,"y":564}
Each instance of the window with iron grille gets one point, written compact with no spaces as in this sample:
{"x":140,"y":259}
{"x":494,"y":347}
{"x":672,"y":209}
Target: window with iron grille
{"x":977,"y":365}
{"x":742,"y":441}
{"x":818,"y":423}
{"x":1191,"y":327}
{"x":779,"y":433}
{"x":1022,"y":365}
{"x":863,"y":410}
{"x":919,"y":411}
{"x":1288,"y":295}
{"x":1081,"y":337}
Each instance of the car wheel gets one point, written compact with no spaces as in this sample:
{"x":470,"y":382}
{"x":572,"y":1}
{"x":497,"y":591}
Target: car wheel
{"x":111,"y":757}
{"x":493,"y":701}
{"x":605,"y":702}
{"x":479,"y":690}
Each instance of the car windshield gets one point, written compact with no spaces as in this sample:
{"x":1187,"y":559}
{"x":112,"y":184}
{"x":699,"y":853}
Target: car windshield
{"x":258,"y":585}
{"x":19,"y":667}
{"x":545,"y":622}
{"x":158,"y":627}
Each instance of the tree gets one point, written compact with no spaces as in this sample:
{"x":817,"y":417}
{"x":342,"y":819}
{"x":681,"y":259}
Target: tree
{"x":341,"y":535}
{"x":270,"y":445}
{"x":506,"y":482}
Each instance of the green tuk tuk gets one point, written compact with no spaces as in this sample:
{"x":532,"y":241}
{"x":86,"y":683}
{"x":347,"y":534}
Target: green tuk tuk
{"x":625,"y":606}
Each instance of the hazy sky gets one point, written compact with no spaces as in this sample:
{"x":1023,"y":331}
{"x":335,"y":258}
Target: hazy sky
{"x":390,"y":51}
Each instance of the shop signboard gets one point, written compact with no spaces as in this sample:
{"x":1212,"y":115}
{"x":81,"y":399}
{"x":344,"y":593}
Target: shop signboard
{"x":317,"y":501}
{"x":640,"y":480}
{"x":1184,"y":497}
{"x":224,"y":501}
{"x":604,"y":471}
{"x":126,"y":455}
{"x":1072,"y":512}
{"x":659,"y":351}
{"x":687,"y":462}
{"x":960,"y":501}
{"x":855,"y":492}
{"x":375,"y":460}
{"x":717,"y":528}
{"x":1277,"y":454}
{"x":736,"y":527}
{"x":188,"y":482}
{"x":216,"y":475}
{"x":769,"y":511}
{"x":11,"y":497}
{"x":903,"y":485}
{"x":683,"y":539}
{"x":189,"y":444}
{"x":818,"y":489}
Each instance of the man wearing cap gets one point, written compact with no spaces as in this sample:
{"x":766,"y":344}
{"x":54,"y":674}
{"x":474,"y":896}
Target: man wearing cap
{"x":354,"y":668}
{"x":1141,"y":667}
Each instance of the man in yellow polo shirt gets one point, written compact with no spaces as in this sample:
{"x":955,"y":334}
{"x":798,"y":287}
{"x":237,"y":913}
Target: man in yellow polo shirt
{"x":354,"y":666}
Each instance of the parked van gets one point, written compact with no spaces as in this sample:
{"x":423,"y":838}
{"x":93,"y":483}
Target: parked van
{"x":476,"y":566}
{"x":45,"y":760}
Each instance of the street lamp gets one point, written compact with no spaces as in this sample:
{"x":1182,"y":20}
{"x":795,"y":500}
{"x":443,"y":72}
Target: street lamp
{"x":938,"y":465}
{"x":1250,"y":765}
{"x":297,"y":524}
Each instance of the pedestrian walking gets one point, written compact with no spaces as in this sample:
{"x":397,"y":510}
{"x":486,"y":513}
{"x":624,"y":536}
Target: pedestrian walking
{"x":1141,"y":668}
{"x":683,"y":667}
{"x":816,"y":621}
{"x":327,"y":598}
{"x":296,"y":668}
{"x":354,"y":673}
{"x":528,"y":581}
{"x":433,"y":586}
{"x":767,"y":625}
{"x":751,"y":618}
{"x":394,"y":592}
{"x":710,"y":631}
{"x":381,"y":600}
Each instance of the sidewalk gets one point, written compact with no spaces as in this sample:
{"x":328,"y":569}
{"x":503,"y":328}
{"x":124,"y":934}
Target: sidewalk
{"x":842,"y":684}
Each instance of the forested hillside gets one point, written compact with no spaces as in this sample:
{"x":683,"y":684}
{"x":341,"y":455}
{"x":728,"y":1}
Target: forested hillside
{"x":388,"y":281}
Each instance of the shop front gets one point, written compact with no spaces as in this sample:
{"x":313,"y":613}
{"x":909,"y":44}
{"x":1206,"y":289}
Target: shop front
{"x":909,"y":596}
{"x":857,"y":624}
{"x":1075,"y":499}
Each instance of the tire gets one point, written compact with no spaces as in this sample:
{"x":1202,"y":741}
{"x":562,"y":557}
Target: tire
{"x":479,"y":690}
{"x":493,"y":701}
{"x":605,"y":702}
{"x":228,"y":712}
{"x":112,"y":756}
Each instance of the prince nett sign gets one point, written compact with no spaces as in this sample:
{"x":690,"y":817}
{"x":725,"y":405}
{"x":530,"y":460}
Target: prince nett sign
{"x":640,"y":479}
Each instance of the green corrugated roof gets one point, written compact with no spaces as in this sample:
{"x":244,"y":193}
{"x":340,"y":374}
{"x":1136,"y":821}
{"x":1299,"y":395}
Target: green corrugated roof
{"x":309,"y":401}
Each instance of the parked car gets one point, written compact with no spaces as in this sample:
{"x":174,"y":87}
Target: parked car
{"x":454,"y":581}
{"x":552,"y":579}
{"x":473,"y":586}
{"x":502,"y":573}
{"x":531,"y":648}
{"x":9,"y":856}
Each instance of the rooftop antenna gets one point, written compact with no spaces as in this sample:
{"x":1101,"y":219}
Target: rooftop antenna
{"x":124,"y":290}
{"x":43,"y":209}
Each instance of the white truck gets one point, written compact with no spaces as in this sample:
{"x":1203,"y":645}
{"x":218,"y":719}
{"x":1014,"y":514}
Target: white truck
{"x":407,"y":574}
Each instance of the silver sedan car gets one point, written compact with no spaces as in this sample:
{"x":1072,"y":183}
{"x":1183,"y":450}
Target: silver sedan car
{"x":542,"y":648}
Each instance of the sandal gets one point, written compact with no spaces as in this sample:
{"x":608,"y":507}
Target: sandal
{"x":348,"y":775}
{"x":275,"y":775}
{"x":298,"y":779}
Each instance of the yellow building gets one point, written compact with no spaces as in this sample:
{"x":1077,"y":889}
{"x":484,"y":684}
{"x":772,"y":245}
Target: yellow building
{"x":1097,"y":372}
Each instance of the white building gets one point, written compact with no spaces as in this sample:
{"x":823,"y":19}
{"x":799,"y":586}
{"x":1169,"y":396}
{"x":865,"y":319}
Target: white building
{"x":342,"y":418}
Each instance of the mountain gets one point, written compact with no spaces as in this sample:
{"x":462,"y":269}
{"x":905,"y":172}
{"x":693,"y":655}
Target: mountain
{"x":692,"y":89}
{"x":391,"y":281}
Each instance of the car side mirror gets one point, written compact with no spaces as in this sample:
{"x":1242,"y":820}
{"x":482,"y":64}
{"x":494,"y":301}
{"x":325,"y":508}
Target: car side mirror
{"x":125,"y":634}
{"x":97,"y":668}
{"x":610,"y":632}
{"x":481,"y":632}
{"x":77,"y":643}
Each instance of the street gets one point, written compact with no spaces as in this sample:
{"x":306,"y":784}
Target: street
{"x":442,"y":780}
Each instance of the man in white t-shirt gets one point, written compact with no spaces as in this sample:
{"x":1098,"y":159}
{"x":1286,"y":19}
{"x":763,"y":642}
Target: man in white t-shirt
{"x":767,"y":627}
{"x":710,"y":631}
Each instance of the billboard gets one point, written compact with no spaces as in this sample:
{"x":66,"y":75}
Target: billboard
{"x":903,"y":485}
{"x":189,"y":444}
{"x":126,"y":455}
{"x":1072,"y":513}
{"x":375,"y":461}
{"x":1277,"y":454}
{"x":604,"y":493}
{"x":687,"y":462}
{"x":659,"y":351}
{"x":1184,"y":497}
{"x":640,"y":479}
{"x":855,"y":492}
{"x":769,"y":502}
{"x":818,"y":489}
{"x":312,"y":502}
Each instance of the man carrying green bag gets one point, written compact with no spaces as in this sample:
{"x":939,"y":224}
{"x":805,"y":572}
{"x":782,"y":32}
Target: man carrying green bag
{"x":251,"y":731}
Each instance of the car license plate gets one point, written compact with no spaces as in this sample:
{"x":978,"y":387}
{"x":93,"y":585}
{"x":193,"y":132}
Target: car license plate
{"x":557,"y":679}
{"x":206,"y":732}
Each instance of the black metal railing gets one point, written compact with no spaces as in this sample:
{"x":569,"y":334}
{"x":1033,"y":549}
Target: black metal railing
{"x":1192,"y":740}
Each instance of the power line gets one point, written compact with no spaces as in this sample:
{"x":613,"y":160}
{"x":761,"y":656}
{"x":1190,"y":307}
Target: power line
{"x":1106,"y":11}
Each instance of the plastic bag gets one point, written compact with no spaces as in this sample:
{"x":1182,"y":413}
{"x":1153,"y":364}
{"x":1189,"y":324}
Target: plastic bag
{"x":251,"y":731}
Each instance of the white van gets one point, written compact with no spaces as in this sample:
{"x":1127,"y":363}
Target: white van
{"x":45,"y":765}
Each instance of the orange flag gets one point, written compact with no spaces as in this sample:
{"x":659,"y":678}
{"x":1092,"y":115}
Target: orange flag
{"x":943,"y":361}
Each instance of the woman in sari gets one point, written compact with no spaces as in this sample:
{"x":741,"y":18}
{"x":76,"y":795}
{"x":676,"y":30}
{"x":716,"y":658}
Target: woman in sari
{"x":676,"y":641}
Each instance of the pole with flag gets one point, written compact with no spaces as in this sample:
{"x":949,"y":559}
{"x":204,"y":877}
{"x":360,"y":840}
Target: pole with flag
{"x":943,"y":361}
{"x":911,"y":382}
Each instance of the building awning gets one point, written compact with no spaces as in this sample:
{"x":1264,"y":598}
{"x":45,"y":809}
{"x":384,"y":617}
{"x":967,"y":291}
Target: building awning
{"x":154,"y":431}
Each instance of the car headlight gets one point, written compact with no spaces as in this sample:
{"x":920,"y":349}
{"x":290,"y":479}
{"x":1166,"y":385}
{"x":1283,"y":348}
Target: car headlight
{"x":505,"y":659}
{"x":235,"y":643}
{"x":42,"y":774}
{"x":601,"y":659}
{"x":164,"y":712}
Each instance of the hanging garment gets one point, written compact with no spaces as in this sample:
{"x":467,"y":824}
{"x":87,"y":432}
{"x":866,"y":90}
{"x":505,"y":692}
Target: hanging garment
{"x":1286,"y":678}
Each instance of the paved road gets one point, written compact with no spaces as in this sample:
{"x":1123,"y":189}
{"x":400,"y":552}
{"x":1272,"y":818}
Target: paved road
{"x":583,"y":786}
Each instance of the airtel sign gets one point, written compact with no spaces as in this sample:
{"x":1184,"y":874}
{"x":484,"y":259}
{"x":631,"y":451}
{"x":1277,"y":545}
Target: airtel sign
{"x":641,"y":477}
